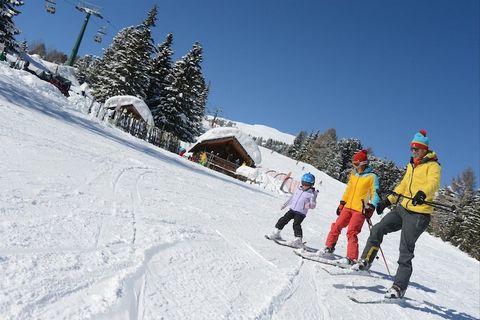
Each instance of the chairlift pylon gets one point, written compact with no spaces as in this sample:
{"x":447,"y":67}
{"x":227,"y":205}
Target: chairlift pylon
{"x":50,"y":6}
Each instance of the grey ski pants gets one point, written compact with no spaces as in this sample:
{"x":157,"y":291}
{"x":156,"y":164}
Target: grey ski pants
{"x":412,"y":225}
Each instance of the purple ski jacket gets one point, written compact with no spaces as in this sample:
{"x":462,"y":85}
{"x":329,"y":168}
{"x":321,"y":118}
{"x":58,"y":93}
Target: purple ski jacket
{"x":302,"y":200}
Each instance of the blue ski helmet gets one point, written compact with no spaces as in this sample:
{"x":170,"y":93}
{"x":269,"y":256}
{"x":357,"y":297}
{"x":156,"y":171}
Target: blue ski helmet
{"x":308,"y":178}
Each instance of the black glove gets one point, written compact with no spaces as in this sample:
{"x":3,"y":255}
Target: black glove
{"x":419,"y":198}
{"x":382,"y":204}
{"x":369,"y":209}
{"x":340,"y":207}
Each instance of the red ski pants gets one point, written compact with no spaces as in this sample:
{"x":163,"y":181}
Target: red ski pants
{"x":354,"y":220}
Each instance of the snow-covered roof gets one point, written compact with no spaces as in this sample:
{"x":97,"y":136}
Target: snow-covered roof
{"x":120,"y":101}
{"x":246,"y":141}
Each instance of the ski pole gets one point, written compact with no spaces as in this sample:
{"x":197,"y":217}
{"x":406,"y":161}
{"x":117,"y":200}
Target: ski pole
{"x":380,"y":248}
{"x":369,"y":222}
{"x":434,"y":204}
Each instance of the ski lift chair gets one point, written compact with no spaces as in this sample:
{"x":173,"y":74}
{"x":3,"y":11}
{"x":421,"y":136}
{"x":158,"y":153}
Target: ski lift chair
{"x":100,"y":33}
{"x":50,"y":6}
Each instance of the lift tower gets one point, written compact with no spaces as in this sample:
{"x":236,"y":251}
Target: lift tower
{"x":89,"y":10}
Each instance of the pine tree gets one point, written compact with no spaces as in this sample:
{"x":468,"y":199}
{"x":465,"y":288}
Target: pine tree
{"x":151,"y":17}
{"x":470,"y":228}
{"x":161,"y":67}
{"x":459,"y":227}
{"x":82,"y":67}
{"x":346,"y":150}
{"x":463,"y":187}
{"x":8,"y":30}
{"x":321,"y":149}
{"x":305,"y":149}
{"x":125,"y":64}
{"x":186,"y":96}
{"x":440,"y":218}
{"x":294,"y":150}
{"x":23,"y":46}
{"x":389,"y":175}
{"x":308,"y":151}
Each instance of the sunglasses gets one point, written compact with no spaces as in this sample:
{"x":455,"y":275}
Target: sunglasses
{"x":415,"y":149}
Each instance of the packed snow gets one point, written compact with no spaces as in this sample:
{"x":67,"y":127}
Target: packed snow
{"x":95,"y":223}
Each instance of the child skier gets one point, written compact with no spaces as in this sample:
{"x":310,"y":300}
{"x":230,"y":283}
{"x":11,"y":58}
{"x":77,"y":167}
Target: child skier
{"x":304,"y":198}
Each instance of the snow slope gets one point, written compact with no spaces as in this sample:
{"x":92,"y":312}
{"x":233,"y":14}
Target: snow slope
{"x":97,"y":224}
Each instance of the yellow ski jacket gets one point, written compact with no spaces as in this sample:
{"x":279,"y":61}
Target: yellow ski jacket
{"x":360,"y":187}
{"x":425,"y":177}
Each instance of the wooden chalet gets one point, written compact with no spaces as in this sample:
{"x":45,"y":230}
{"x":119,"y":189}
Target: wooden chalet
{"x":129,"y":109}
{"x":225,"y":154}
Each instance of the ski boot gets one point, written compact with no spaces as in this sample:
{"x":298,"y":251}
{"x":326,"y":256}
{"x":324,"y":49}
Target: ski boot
{"x":326,"y":252}
{"x":296,"y":243}
{"x":275,"y":235}
{"x":361,"y":265}
{"x":394,"y":293}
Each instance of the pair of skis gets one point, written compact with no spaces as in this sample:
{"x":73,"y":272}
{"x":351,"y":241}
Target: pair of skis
{"x":286,"y":243}
{"x":311,"y":254}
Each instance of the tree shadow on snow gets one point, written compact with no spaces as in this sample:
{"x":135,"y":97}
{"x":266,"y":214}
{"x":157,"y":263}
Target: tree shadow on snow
{"x":408,"y":303}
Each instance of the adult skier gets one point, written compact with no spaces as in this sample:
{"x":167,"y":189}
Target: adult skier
{"x":412,"y":214}
{"x":357,"y":204}
{"x":304,"y":198}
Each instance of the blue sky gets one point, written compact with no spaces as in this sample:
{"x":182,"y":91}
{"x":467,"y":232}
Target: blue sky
{"x":375,"y":70}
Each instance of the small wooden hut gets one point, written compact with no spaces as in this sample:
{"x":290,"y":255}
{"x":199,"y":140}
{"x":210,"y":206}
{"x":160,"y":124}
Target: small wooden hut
{"x":226,"y":152}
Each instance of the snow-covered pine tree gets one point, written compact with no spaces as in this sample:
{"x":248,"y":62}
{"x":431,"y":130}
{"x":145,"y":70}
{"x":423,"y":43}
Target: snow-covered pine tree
{"x":464,"y":188}
{"x":447,"y":224}
{"x":306,"y":148}
{"x":161,"y":66}
{"x":186,"y":96}
{"x":8,"y":30}
{"x":440,"y":218}
{"x":23,"y":46}
{"x":125,"y":64}
{"x":321,"y":150}
{"x":346,"y":149}
{"x":470,"y":228}
{"x":151,"y":17}
{"x":310,"y":153}
{"x":294,"y":149}
{"x":389,"y":175}
{"x":83,"y":67}
{"x":461,"y":228}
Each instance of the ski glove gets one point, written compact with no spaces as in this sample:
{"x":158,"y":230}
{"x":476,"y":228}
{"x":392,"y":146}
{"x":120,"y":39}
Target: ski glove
{"x":382,"y":204}
{"x":340,"y":207}
{"x":369,"y":209}
{"x":419,"y":198}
